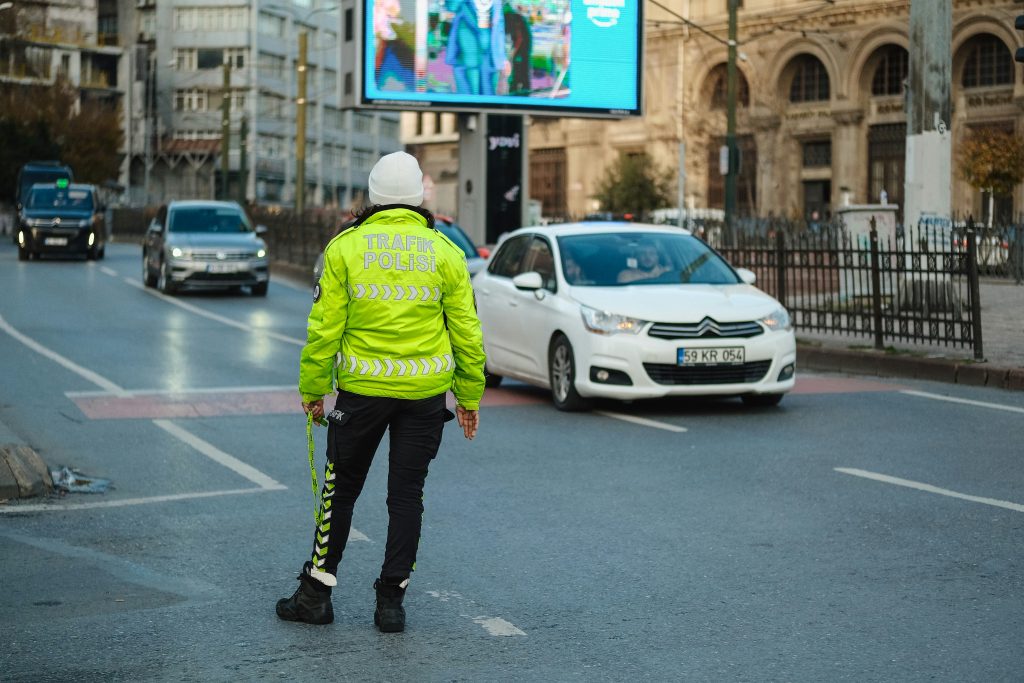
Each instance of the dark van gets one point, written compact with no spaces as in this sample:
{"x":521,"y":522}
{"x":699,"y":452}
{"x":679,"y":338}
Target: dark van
{"x":61,"y":217}
{"x":38,"y":172}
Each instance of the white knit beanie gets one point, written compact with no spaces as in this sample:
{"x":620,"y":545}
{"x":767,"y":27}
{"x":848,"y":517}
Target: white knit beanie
{"x":396,"y":179}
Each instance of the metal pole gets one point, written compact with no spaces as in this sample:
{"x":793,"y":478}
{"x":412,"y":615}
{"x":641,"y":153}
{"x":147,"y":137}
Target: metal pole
{"x":876,"y":288}
{"x":730,"y":135}
{"x":300,"y":131}
{"x":225,"y":131}
{"x":243,"y":160}
{"x":972,"y":283}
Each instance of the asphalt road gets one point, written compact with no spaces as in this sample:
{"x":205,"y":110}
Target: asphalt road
{"x":863,"y":530}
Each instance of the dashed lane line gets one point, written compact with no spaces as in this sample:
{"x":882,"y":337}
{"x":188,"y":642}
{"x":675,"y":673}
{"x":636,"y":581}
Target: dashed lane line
{"x":109,"y":271}
{"x":213,"y":316}
{"x":964,"y":401}
{"x":643,"y":421}
{"x":928,"y":488}
{"x":495,"y":626}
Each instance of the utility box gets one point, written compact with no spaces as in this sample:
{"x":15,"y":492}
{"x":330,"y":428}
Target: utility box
{"x":857,"y":224}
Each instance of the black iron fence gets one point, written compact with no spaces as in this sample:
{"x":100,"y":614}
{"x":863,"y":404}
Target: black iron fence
{"x":918,"y":285}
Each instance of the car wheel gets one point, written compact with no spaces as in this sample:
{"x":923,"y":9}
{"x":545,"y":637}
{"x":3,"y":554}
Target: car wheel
{"x":490,"y":379}
{"x":148,"y":278}
{"x":90,"y":254}
{"x":260,"y":288}
{"x":102,"y":254}
{"x":562,"y":373}
{"x":762,"y":400}
{"x":164,"y":282}
{"x":22,"y":254}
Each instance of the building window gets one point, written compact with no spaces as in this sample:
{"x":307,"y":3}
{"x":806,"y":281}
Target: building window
{"x":349,"y":25}
{"x":348,"y":83}
{"x":989,"y":63}
{"x":891,"y":72}
{"x":191,"y":99}
{"x":211,"y":18}
{"x":271,"y":25}
{"x":362,"y":123}
{"x":810,"y":80}
{"x":272,"y":65}
{"x":389,"y":128}
{"x":548,"y":181}
{"x":362,"y":158}
{"x":887,"y":149}
{"x":719,"y":77}
{"x":334,"y":118}
{"x":817,"y":153}
{"x":271,"y":105}
{"x":746,"y":180}
{"x":209,"y":58}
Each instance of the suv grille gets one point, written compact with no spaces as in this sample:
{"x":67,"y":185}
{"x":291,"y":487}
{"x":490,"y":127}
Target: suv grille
{"x":228,"y":256}
{"x":712,"y":374}
{"x":705,"y":328}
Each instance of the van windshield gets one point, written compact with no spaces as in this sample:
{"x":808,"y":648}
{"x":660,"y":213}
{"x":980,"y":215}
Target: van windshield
{"x":56,"y":198}
{"x":30,"y":178}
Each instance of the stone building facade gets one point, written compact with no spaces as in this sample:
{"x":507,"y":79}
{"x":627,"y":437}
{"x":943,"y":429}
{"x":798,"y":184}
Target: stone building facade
{"x":820,"y":108}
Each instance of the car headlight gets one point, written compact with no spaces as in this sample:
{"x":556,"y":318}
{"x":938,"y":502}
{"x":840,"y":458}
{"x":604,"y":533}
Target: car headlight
{"x":603,"y":322}
{"x":261,"y":253}
{"x":778,"y":320}
{"x":178,"y":252}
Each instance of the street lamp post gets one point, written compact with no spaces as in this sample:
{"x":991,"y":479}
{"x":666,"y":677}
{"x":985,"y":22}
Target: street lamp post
{"x":730,"y":131}
{"x":300,"y":105}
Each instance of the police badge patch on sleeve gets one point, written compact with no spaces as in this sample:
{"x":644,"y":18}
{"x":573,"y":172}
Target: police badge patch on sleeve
{"x":316,"y":292}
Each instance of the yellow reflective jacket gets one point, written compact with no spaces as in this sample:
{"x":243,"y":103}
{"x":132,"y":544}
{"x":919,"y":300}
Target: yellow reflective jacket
{"x":395,"y":301}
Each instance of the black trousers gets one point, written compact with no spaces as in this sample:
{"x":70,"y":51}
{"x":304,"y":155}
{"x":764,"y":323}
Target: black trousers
{"x":356,"y":427}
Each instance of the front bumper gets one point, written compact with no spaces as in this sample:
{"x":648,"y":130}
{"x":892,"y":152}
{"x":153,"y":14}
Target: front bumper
{"x":641,"y":366}
{"x":56,"y":240}
{"x":215,"y":274}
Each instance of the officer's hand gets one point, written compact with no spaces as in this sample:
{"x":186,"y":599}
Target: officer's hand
{"x":314,"y":408}
{"x":469,"y":420}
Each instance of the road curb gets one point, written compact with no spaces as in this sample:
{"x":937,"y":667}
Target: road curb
{"x":23,"y":473}
{"x":883,"y":364}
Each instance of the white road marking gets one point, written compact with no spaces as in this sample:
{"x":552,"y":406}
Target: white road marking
{"x":109,"y":271}
{"x":59,"y":507}
{"x":496,"y":626}
{"x":643,"y":421}
{"x":82,"y":372}
{"x":213,"y":316}
{"x":357,"y":535}
{"x":218,"y":456}
{"x":896,"y":481}
{"x":964,"y":401}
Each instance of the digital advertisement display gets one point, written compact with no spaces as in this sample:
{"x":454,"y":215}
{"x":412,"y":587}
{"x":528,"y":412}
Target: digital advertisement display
{"x":576,"y":56}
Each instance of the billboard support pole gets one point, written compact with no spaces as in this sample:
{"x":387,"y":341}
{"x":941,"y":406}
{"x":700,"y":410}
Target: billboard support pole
{"x":472,"y":191}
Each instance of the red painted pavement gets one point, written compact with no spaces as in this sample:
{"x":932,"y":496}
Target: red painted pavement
{"x":283,"y":402}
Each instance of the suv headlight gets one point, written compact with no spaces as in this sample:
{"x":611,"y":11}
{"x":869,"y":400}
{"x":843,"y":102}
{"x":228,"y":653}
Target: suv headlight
{"x":603,"y":322}
{"x":777,"y":320}
{"x":261,"y":253}
{"x":178,"y":252}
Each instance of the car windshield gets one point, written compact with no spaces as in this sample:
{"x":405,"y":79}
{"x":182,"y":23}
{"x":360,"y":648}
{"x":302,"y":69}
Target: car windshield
{"x":29,"y":178}
{"x":641,"y":258}
{"x":455,"y":234}
{"x":57,"y":198}
{"x":208,"y":219}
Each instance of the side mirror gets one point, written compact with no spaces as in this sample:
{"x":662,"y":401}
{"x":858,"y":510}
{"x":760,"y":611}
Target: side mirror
{"x":531,"y":281}
{"x":261,"y":230}
{"x":747,"y":276}
{"x":484,"y":252}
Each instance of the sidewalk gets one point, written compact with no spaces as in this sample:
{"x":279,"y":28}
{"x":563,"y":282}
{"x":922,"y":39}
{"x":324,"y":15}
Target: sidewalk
{"x":1002,"y":323}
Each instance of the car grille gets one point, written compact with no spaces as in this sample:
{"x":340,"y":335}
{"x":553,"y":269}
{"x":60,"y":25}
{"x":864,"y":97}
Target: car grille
{"x":744,"y":373}
{"x":705,"y":328}
{"x":225,"y":256}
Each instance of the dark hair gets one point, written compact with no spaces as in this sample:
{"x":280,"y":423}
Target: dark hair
{"x":368,"y":211}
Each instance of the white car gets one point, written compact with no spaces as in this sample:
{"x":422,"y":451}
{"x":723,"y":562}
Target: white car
{"x":629,"y":311}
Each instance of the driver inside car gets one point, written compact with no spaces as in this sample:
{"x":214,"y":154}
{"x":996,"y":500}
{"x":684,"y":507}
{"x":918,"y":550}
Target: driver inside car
{"x":646,"y":266}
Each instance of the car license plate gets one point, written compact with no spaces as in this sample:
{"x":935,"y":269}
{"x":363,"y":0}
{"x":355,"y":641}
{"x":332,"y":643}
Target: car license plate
{"x":725,"y":355}
{"x":222,"y":268}
{"x":56,"y":241}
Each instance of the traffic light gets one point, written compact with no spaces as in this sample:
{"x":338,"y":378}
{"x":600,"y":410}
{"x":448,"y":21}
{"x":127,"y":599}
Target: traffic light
{"x":1018,"y":24}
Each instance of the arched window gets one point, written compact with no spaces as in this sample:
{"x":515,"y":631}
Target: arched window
{"x":719,"y":78}
{"x":810,"y":80}
{"x":988,"y":63}
{"x":891,"y":72}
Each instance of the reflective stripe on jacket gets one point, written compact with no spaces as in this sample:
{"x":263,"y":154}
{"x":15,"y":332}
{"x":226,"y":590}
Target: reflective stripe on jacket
{"x":387,"y":289}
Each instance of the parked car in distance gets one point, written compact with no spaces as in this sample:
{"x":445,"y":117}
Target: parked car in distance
{"x":38,"y":172}
{"x":628,"y":311}
{"x":204,"y":244}
{"x":61,"y":218}
{"x":476,"y":257}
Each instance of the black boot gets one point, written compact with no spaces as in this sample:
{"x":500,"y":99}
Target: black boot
{"x":389,"y":615}
{"x":311,"y":602}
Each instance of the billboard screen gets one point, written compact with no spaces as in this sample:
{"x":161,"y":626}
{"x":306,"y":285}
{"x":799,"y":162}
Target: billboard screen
{"x":575,"y":56}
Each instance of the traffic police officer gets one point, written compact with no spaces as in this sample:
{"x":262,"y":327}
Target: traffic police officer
{"x":394,"y":322}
